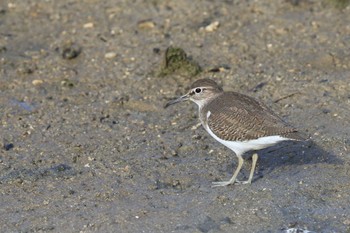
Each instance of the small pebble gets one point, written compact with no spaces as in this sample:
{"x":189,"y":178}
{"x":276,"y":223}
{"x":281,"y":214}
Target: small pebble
{"x":110,"y":55}
{"x":156,"y":50}
{"x":147,"y":24}
{"x":88,"y":25}
{"x":212,"y":27}
{"x":36,"y":82}
{"x":70,"y":51}
{"x":11,"y":5}
{"x":8,"y":146}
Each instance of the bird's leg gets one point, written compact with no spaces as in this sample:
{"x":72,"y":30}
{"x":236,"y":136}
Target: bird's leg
{"x":233,"y":179}
{"x":249,"y":181}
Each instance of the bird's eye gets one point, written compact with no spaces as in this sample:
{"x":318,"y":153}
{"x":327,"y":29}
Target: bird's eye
{"x":198,"y":90}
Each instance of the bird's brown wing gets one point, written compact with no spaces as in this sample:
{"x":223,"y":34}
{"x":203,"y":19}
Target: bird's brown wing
{"x":234,"y":116}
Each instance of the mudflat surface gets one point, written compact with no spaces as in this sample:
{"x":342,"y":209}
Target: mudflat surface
{"x":86,"y":143}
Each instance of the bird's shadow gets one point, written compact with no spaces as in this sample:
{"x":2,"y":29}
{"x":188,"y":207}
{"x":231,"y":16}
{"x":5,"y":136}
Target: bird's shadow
{"x":291,"y":153}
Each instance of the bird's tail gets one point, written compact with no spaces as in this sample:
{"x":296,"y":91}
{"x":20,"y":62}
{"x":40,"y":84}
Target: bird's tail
{"x":298,"y":136}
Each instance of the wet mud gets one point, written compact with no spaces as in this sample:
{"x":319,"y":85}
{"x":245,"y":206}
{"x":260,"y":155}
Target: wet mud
{"x":86,"y":145}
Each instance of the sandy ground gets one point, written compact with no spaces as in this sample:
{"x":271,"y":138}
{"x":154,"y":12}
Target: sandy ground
{"x":88,"y":147}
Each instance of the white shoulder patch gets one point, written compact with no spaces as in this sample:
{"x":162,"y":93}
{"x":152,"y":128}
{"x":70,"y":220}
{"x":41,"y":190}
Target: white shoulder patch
{"x":208,"y":114}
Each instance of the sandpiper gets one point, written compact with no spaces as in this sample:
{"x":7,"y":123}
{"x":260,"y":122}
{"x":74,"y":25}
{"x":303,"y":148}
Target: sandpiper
{"x":238,"y":121}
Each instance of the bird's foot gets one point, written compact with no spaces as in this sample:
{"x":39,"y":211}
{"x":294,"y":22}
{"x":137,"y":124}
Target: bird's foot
{"x":221,"y":183}
{"x":225,"y":183}
{"x":243,"y":182}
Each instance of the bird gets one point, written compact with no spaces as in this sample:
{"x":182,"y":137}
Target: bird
{"x":238,"y":121}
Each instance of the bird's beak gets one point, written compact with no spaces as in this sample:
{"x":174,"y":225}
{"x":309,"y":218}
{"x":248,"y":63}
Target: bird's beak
{"x":178,"y":100}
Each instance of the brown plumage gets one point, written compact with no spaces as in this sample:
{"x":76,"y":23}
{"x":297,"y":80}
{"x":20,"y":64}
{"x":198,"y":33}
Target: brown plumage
{"x":237,"y":117}
{"x":237,"y":121}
